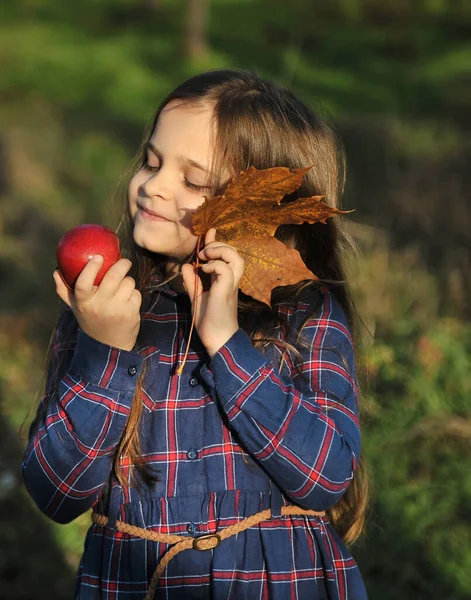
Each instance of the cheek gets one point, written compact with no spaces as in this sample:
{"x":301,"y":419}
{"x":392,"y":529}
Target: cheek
{"x":188,"y":212}
{"x":186,"y":220}
{"x":132,"y":191}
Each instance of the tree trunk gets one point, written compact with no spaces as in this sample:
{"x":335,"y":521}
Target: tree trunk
{"x":196,"y":45}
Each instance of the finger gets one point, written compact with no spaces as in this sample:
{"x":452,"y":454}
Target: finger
{"x":217,"y":243}
{"x":85,"y":284}
{"x":210,"y":236}
{"x":136,"y":299}
{"x":222,"y":252}
{"x":222,"y":272}
{"x":113,"y":278}
{"x":231,"y":256}
{"x":64,"y":293}
{"x":125,"y":289}
{"x":214,"y":246}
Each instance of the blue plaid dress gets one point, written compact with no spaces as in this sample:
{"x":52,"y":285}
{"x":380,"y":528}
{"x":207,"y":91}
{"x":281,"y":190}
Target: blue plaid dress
{"x":226,"y":439}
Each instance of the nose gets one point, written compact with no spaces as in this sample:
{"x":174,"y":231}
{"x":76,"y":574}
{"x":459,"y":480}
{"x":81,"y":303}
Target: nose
{"x":158,"y":184}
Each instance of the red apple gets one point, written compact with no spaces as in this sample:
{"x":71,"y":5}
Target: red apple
{"x":78,"y":245}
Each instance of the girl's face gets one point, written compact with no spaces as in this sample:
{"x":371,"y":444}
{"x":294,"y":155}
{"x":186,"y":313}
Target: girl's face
{"x":173,"y":181}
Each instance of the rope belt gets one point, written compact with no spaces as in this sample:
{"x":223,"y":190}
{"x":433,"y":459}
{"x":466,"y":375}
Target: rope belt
{"x":201,"y":542}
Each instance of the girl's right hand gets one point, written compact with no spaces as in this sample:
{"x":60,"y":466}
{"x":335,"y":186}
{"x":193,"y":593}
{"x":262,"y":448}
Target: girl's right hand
{"x":109,"y":312}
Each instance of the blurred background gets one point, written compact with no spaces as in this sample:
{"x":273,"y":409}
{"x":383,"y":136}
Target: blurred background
{"x":79,"y":82}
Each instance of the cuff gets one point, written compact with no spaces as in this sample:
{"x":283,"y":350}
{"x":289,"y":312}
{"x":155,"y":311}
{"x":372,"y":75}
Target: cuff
{"x":106,"y":366}
{"x":233,"y":366}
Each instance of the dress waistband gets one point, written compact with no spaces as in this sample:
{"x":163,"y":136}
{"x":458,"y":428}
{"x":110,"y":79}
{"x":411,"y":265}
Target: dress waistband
{"x":202,"y":542}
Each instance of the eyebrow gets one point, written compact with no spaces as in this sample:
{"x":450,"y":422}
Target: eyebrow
{"x":185,"y":159}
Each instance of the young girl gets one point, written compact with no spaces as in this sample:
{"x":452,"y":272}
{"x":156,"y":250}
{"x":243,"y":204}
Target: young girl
{"x":239,"y":478}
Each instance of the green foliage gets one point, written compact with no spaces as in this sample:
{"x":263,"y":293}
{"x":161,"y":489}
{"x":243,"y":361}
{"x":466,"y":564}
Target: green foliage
{"x":79,"y":82}
{"x":417,"y":441}
{"x":417,"y":426}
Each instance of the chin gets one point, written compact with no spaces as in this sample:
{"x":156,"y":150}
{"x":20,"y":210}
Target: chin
{"x":141,"y":241}
{"x":181,"y":254}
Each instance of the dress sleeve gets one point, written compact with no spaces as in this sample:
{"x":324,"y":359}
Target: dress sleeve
{"x":303,"y":427}
{"x":80,"y":420}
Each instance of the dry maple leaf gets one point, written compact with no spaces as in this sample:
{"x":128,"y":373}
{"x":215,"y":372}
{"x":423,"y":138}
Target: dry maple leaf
{"x":247,"y":216}
{"x":269,"y":263}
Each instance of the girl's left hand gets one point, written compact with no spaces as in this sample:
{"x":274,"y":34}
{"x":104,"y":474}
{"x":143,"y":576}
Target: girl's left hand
{"x":216,"y":309}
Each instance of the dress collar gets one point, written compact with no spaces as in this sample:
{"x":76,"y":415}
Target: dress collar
{"x":158,"y":286}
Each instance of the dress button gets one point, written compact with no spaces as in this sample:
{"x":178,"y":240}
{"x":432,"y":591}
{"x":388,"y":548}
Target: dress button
{"x":193,"y":382}
{"x":192,"y":454}
{"x":132,"y":370}
{"x":192,"y":528}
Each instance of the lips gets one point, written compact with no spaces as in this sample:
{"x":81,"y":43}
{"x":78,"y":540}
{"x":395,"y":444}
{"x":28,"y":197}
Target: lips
{"x":147,"y":212}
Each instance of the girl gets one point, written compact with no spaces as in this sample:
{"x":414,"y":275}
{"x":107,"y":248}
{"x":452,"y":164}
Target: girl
{"x":239,"y":478}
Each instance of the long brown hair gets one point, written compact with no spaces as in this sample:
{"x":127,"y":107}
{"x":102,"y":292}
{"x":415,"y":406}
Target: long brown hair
{"x":262,"y":124}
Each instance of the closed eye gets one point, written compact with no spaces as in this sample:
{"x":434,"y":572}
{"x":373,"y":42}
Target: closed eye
{"x":193,"y":186}
{"x":150,"y":168}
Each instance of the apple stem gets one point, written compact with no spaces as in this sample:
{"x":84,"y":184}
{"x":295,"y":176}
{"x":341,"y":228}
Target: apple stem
{"x":196,"y":265}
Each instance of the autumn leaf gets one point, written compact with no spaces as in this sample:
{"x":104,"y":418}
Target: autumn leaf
{"x":269,"y":263}
{"x":247,"y":216}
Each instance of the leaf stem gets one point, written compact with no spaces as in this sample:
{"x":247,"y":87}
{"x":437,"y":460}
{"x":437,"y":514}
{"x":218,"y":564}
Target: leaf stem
{"x":196,"y":265}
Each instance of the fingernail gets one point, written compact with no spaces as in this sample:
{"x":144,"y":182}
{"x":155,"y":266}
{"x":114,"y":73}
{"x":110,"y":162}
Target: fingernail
{"x":97,"y":258}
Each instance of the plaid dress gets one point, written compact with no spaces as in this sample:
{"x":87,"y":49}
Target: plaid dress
{"x":228,"y":438}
